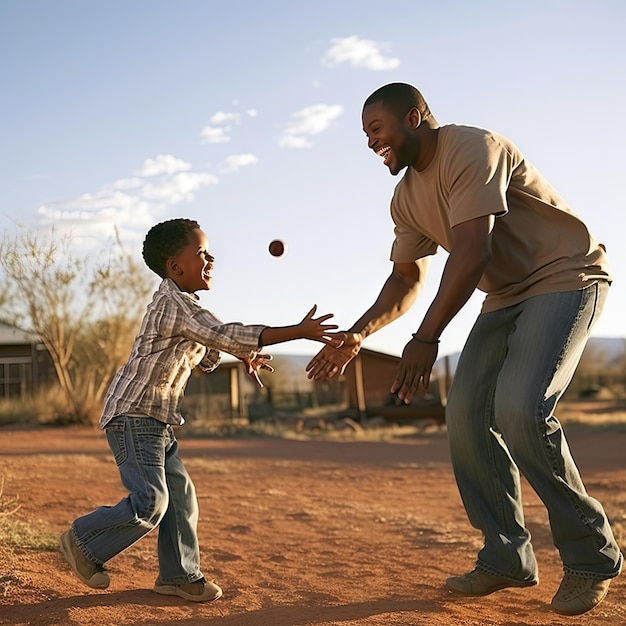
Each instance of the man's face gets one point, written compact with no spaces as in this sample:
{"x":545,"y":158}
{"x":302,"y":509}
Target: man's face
{"x":389,"y":137}
{"x":194,"y":263}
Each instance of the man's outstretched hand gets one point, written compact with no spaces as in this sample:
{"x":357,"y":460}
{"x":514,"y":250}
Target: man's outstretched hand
{"x":331,"y":361}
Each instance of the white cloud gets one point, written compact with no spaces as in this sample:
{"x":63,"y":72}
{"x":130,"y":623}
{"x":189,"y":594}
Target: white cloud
{"x":130,"y":205}
{"x":131,"y":182}
{"x":289,"y":141}
{"x":213,"y":134}
{"x":163,"y":164}
{"x":310,"y":121}
{"x":359,"y":53}
{"x":219,"y":129}
{"x":237,"y":161}
{"x":178,"y":188}
{"x":98,"y":215}
{"x":221,"y":118}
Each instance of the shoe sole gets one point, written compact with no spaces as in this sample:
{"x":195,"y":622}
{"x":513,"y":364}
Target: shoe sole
{"x":504,"y":585}
{"x":172,"y":590}
{"x":66,"y":551}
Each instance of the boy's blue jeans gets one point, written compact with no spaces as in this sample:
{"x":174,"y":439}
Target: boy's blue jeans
{"x":161,"y":493}
{"x":516,"y":364}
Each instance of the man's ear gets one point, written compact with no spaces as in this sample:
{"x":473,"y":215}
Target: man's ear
{"x":414,"y":118}
{"x":173,"y":268}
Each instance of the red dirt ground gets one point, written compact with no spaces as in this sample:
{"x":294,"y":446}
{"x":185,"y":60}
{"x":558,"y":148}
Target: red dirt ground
{"x":298,"y":533}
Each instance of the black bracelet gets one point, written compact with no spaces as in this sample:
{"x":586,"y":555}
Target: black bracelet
{"x":430,"y":343}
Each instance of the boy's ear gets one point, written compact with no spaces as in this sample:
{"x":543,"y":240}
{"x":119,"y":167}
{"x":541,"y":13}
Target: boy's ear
{"x":172,"y":267}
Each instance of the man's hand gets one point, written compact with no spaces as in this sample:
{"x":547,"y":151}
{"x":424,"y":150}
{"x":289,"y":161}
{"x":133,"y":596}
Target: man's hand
{"x":414,"y":369}
{"x":254,"y":365}
{"x":331,"y":361}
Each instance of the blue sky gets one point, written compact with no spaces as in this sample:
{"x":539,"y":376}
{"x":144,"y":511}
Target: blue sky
{"x":246,"y":116}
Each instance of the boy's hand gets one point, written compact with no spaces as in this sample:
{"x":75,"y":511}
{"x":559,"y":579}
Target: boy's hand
{"x":315,"y":329}
{"x":254,"y":365}
{"x":331,"y":361}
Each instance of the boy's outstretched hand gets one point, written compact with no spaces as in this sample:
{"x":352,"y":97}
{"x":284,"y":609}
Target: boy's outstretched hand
{"x":254,"y":365}
{"x":315,"y":329}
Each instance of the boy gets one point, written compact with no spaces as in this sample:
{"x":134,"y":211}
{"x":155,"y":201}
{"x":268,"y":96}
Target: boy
{"x":144,"y":401}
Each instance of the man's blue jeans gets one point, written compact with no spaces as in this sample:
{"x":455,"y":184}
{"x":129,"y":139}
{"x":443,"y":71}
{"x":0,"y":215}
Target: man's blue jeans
{"x":515,"y":366}
{"x":161,"y":494}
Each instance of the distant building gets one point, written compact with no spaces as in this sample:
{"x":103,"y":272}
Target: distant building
{"x":24,"y":362}
{"x":368,"y":379}
{"x":363,"y":391}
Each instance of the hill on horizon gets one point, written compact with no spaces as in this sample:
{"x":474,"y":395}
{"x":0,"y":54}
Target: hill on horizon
{"x":609,"y":350}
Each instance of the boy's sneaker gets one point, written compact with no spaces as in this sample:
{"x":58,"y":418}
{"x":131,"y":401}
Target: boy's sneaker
{"x":198,"y":591}
{"x":479,"y":583}
{"x":578,"y":594}
{"x":86,"y":571}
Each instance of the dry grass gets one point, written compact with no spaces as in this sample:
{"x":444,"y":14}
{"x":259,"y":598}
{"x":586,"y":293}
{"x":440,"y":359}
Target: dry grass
{"x":604,"y":415}
{"x":8,"y":505}
{"x":19,"y":534}
{"x":24,"y":535}
{"x":318,"y":425}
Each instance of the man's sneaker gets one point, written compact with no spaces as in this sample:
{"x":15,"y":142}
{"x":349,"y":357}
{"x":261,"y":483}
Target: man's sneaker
{"x":86,"y":571}
{"x":479,"y":583}
{"x":198,"y":591}
{"x":577,"y":594}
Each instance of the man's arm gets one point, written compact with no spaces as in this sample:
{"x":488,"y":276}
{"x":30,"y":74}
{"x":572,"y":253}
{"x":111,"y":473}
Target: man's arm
{"x":469,"y":256}
{"x":395,"y":298}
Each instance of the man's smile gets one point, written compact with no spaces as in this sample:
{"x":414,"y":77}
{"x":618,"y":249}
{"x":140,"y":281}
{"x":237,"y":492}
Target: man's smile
{"x":384,"y":152}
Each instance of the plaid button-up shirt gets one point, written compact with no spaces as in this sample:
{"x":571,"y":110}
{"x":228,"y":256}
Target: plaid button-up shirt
{"x":176,"y":335}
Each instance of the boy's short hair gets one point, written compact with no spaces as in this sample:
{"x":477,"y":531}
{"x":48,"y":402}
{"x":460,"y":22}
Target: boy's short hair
{"x":164,"y":241}
{"x":399,"y":99}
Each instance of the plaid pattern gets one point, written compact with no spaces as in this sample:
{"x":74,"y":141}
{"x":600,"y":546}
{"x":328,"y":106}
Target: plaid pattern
{"x":176,"y":335}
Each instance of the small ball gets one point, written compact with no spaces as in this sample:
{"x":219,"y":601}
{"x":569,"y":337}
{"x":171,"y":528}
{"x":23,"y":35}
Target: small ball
{"x":277,"y":247}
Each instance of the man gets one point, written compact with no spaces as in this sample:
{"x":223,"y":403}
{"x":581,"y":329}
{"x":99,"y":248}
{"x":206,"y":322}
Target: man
{"x":509,"y":234}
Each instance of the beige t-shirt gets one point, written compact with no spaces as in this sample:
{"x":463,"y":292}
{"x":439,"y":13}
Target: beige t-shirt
{"x":539,"y":244}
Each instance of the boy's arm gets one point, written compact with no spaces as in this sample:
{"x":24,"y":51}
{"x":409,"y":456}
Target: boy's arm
{"x":242,"y":341}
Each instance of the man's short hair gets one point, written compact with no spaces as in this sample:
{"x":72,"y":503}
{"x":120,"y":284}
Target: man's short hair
{"x":399,"y":99}
{"x":164,"y":241}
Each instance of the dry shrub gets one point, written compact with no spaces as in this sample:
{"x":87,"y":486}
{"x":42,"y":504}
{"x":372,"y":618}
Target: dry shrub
{"x":48,"y":406}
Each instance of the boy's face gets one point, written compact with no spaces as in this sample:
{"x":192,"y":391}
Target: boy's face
{"x":190,"y":268}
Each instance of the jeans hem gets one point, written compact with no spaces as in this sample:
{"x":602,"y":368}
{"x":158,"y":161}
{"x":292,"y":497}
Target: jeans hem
{"x":492,"y":571}
{"x":595,"y":575}
{"x":190,"y":578}
{"x":82,"y":548}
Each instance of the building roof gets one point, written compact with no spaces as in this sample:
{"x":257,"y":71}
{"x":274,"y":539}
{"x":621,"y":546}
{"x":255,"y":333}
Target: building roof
{"x":10,"y":335}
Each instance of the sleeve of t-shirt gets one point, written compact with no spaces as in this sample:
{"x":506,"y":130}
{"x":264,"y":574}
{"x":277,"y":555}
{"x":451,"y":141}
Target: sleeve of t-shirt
{"x":477,"y":173}
{"x":410,"y":245}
